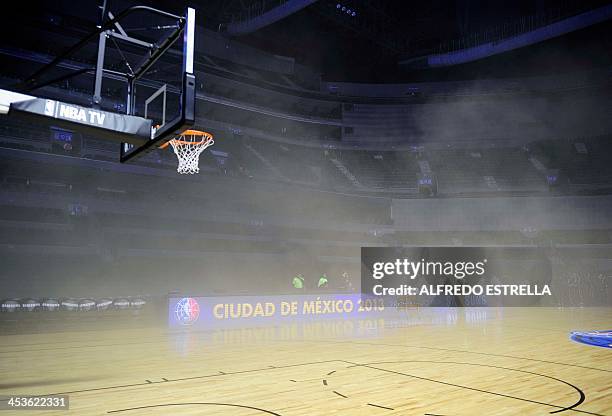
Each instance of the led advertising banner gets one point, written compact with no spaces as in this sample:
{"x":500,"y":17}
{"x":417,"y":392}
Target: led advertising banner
{"x":242,"y":311}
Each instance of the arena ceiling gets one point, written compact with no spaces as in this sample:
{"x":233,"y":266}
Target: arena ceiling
{"x":368,"y":46}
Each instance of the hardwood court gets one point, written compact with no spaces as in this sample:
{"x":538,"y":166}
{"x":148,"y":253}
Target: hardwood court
{"x":451,"y":363}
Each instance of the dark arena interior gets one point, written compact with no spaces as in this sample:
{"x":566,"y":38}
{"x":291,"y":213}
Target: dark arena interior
{"x":306,"y":207}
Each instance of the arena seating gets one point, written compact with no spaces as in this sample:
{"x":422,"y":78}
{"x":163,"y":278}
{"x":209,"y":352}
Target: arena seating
{"x":591,"y":166}
{"x":381,"y":170}
{"x":461,"y":171}
{"x":458,"y":171}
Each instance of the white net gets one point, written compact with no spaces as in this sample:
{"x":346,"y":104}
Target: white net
{"x":188,"y":147}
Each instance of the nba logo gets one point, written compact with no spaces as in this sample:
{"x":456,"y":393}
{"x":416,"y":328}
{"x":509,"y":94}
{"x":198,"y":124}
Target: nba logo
{"x":50,"y":108}
{"x":187,"y":311}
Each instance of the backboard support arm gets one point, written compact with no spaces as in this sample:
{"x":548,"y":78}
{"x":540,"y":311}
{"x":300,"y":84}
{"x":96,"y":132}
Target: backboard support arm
{"x":111,"y":29}
{"x":97,"y":95}
{"x":33,"y":82}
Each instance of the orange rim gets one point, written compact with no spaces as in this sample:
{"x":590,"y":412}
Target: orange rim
{"x":194,"y":133}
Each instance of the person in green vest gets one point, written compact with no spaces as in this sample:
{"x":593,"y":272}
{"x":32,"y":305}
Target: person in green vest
{"x":323,"y":281}
{"x":298,"y":281}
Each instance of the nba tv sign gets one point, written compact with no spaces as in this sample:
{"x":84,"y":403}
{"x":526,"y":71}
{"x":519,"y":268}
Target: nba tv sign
{"x":115,"y":125}
{"x":74,"y":113}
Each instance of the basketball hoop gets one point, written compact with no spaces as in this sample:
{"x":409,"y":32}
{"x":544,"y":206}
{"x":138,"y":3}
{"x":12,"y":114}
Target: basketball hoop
{"x":188,"y":146}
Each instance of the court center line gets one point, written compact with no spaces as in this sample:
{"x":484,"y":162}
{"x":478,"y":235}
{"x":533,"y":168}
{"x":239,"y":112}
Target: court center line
{"x":382,"y":407}
{"x":475,"y":389}
{"x":468,"y":352}
{"x":581,"y":399}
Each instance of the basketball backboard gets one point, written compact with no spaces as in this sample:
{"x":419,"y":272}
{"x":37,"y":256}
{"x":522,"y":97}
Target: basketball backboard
{"x":140,"y":89}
